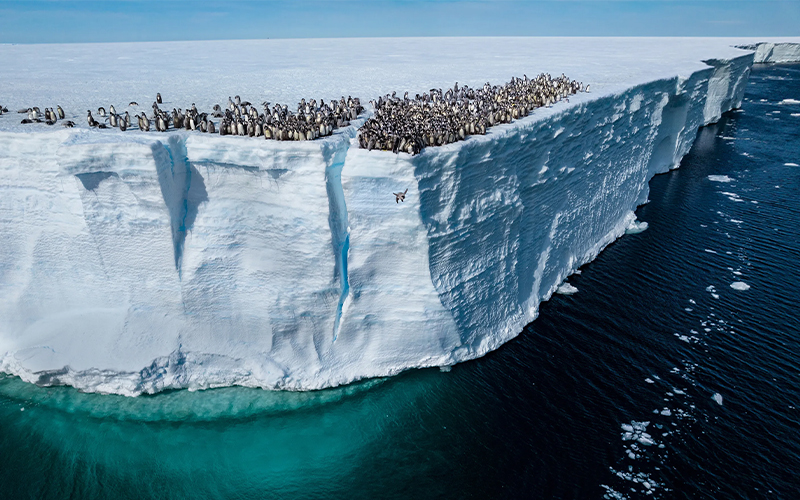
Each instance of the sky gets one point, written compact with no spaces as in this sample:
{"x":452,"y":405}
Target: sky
{"x":59,"y":21}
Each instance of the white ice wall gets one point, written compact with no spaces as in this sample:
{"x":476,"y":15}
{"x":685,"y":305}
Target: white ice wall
{"x":138,"y":262}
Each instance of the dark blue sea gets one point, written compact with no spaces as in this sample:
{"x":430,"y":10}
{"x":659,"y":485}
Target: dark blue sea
{"x":674,"y":372}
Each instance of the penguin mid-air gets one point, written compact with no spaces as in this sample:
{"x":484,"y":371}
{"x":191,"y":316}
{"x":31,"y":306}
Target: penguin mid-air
{"x":133,"y":103}
{"x":158,"y":98}
{"x":400,"y":196}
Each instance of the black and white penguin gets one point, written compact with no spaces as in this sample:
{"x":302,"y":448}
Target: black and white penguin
{"x":90,"y":119}
{"x":158,"y":98}
{"x":112,"y":110}
{"x":133,"y":103}
{"x":101,"y":111}
{"x":60,"y":112}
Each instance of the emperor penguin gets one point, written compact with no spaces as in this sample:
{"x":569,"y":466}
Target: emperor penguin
{"x":111,"y":109}
{"x":400,"y":196}
{"x":158,"y":97}
{"x":101,"y":111}
{"x":211,"y":127}
{"x":90,"y":119}
{"x":60,"y":112}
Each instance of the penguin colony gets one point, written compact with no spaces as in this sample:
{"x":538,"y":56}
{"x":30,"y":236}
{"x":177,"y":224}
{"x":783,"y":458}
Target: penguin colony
{"x":398,"y":125}
{"x":311,"y":121}
{"x":437,"y":118}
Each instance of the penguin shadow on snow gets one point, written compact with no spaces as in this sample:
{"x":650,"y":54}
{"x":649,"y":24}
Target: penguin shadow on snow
{"x":182,"y":187}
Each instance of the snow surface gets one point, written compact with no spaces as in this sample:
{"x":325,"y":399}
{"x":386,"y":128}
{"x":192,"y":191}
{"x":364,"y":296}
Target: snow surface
{"x":136,"y":262}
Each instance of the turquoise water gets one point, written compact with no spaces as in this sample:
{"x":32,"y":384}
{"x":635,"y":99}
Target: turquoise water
{"x":654,"y":332}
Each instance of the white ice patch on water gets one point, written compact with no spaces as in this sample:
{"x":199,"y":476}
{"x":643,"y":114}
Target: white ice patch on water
{"x":636,"y":431}
{"x":791,"y":164}
{"x":566,"y":289}
{"x":718,"y":398}
{"x":636,"y":227}
{"x":789,"y":101}
{"x":719,"y":178}
{"x":732,"y":196}
{"x":740,"y":285}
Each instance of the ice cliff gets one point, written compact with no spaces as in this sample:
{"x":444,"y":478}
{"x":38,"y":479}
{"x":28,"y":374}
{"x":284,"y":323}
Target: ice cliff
{"x":140,"y":262}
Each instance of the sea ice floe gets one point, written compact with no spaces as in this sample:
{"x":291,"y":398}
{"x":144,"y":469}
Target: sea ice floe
{"x":566,"y":289}
{"x":649,"y":380}
{"x":636,"y":227}
{"x":791,"y":164}
{"x":719,"y":178}
{"x":635,"y":431}
{"x":789,"y":101}
{"x":717,"y":397}
{"x":710,"y":251}
{"x":740,"y":285}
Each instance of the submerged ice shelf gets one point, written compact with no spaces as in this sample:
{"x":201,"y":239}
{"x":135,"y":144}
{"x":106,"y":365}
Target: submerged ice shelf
{"x":138,"y":262}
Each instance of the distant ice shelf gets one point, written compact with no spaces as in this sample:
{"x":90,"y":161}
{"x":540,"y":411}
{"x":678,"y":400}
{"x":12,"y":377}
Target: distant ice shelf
{"x":136,"y":262}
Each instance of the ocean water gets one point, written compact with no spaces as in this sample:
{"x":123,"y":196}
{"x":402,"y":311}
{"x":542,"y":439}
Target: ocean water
{"x":673,"y":372}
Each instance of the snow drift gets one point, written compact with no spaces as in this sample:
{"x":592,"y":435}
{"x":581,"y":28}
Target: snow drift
{"x":138,"y":262}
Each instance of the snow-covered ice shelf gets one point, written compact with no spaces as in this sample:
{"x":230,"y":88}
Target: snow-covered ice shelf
{"x":135,"y":262}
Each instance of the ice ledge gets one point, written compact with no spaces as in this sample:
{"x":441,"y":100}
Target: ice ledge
{"x":194,"y":262}
{"x":774,"y":52}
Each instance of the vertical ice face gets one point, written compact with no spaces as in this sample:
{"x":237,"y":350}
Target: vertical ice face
{"x":138,"y":262}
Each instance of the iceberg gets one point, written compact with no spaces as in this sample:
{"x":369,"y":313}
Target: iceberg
{"x":136,"y":262}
